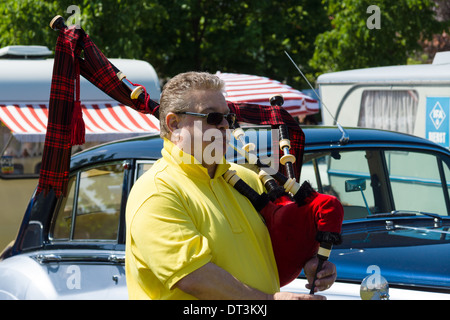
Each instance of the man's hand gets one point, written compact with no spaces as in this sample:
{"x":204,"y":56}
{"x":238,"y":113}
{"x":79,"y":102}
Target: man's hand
{"x":325,"y":277}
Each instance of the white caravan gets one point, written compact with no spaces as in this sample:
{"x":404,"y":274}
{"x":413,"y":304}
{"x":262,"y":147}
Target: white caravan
{"x":413,"y":99}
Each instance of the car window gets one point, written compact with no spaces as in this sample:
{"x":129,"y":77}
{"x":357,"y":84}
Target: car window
{"x":416,"y":181}
{"x":63,"y":223}
{"x":333,"y":172}
{"x":374,"y":181}
{"x":92,"y":207}
{"x":142,"y":167}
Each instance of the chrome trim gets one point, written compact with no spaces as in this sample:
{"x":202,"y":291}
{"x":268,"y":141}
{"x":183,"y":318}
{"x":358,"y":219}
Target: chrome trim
{"x":425,"y":230}
{"x":116,"y":258}
{"x":46,"y":258}
{"x":81,"y":257}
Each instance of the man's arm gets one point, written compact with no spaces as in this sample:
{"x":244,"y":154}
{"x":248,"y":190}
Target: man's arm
{"x":211,"y":282}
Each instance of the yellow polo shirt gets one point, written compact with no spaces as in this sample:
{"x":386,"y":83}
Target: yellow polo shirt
{"x":178,"y":219}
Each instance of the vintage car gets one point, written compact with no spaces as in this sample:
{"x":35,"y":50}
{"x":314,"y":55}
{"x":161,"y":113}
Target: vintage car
{"x":394,"y":188}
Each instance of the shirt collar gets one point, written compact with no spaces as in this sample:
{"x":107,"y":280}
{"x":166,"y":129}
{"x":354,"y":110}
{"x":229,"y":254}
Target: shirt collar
{"x":188,"y":164}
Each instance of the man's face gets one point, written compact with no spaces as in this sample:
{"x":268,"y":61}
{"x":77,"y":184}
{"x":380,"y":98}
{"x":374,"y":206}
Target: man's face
{"x":206,"y":142}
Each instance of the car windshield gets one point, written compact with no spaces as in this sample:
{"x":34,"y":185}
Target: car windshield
{"x":375,"y":181}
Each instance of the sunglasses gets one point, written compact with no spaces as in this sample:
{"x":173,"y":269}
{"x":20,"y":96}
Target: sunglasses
{"x":214,"y":118}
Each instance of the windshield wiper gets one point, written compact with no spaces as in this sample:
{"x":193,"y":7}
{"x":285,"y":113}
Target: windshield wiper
{"x":433,"y":215}
{"x":405,"y":213}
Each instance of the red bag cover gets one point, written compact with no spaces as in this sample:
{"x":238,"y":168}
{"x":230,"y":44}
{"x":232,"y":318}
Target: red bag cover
{"x":293,"y":230}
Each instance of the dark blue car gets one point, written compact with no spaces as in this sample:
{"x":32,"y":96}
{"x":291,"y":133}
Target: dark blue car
{"x":394,"y":189}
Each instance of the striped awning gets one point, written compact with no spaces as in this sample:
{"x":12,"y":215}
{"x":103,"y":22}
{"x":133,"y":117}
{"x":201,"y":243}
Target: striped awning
{"x":244,"y":88}
{"x":103,"y":121}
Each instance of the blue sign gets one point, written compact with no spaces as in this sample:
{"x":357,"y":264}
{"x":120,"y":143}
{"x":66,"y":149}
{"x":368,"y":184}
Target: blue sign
{"x":437,"y":120}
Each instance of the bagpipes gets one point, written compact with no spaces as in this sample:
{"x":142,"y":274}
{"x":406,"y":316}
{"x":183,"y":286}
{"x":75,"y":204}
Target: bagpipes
{"x":301,"y":222}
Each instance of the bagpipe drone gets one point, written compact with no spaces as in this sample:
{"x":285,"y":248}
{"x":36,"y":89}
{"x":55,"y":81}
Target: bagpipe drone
{"x":302,"y":223}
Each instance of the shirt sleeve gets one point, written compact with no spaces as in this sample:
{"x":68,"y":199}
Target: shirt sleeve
{"x":166,"y":239}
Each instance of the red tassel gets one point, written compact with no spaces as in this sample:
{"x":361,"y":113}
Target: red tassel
{"x":78,"y":127}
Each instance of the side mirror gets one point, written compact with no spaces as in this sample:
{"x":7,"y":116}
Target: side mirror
{"x":355,"y":185}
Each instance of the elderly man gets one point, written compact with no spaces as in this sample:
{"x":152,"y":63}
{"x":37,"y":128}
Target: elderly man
{"x":189,"y":233}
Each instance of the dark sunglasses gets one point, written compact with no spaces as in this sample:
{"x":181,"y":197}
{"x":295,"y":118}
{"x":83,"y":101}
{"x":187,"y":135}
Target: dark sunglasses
{"x":214,"y":118}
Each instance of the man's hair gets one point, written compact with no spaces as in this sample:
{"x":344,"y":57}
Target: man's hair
{"x":175,"y":96}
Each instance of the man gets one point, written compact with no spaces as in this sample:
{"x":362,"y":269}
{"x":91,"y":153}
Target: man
{"x":189,"y":233}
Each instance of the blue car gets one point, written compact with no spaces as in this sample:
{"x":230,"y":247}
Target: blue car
{"x":394,"y":188}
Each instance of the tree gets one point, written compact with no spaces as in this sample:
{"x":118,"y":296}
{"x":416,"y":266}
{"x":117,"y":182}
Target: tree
{"x":439,"y":41}
{"x":22,"y":22}
{"x":232,"y":36}
{"x":352,"y":43}
{"x":26,"y":22}
{"x":247,"y":36}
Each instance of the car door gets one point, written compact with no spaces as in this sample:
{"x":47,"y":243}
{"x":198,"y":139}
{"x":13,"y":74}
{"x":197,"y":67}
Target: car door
{"x":83,"y":252}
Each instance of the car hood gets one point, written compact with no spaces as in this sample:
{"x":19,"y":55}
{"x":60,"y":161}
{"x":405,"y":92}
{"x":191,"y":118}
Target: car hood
{"x":410,"y":252}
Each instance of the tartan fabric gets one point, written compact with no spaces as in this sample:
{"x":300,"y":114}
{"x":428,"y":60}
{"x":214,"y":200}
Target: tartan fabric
{"x":56,"y":155}
{"x":274,"y":116}
{"x":63,"y":116}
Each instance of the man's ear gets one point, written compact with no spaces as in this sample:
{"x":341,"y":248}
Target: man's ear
{"x":172,"y":121}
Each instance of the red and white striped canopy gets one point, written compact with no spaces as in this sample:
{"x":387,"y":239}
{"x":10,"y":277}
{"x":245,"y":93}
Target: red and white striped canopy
{"x":246,"y":88}
{"x":103,"y":121}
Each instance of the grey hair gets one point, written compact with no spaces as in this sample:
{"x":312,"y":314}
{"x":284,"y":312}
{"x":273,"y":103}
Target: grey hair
{"x":175,"y":94}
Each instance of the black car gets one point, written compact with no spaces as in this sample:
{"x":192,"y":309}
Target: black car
{"x":394,"y":189}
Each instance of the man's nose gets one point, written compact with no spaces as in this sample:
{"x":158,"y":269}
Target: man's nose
{"x":223,"y":124}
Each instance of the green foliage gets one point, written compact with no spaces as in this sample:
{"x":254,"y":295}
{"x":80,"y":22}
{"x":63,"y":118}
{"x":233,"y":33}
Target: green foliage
{"x":351,"y":44}
{"x":179,"y":35}
{"x":25,"y":21}
{"x":233,"y":36}
{"x":246,"y":36}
